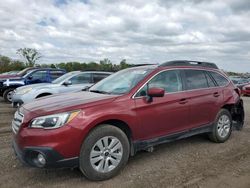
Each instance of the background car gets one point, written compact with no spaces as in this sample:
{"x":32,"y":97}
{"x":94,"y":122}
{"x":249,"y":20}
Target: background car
{"x":246,"y":90}
{"x":37,"y":75}
{"x":18,"y":74}
{"x":239,"y":81}
{"x":70,"y":82}
{"x":10,"y":73}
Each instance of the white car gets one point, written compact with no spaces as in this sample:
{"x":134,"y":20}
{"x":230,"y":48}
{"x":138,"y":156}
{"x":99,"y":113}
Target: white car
{"x":70,"y":82}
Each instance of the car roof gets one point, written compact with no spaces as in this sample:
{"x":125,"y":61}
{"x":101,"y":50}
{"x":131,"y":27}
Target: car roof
{"x":180,"y":64}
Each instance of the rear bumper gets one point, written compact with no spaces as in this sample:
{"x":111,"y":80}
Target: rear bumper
{"x":28,"y":156}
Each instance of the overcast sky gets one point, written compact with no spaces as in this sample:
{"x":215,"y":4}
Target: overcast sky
{"x":141,"y":31}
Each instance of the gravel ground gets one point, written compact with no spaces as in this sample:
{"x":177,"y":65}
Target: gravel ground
{"x":192,"y":162}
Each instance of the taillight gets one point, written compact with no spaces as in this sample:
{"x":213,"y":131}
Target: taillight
{"x":238,"y":91}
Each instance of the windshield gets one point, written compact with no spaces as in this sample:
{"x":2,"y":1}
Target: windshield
{"x":62,"y":78}
{"x":122,"y":82}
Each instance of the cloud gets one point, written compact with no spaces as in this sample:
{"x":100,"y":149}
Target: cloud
{"x":152,"y":31}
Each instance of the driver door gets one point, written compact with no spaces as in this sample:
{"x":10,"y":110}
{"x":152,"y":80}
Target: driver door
{"x":77,"y":83}
{"x":40,"y":76}
{"x":164,"y":115}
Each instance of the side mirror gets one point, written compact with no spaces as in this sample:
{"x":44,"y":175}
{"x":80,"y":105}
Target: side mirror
{"x":67,"y":83}
{"x":30,"y":77}
{"x":155,"y":92}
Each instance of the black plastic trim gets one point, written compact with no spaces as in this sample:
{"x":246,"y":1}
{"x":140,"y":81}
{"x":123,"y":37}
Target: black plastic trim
{"x":53,"y":158}
{"x":189,"y":63}
{"x":144,"y":144}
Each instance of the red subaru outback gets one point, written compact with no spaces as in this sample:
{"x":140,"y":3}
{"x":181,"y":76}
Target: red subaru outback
{"x":132,"y":110}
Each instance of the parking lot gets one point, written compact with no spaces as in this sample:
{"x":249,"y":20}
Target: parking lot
{"x":192,"y":162}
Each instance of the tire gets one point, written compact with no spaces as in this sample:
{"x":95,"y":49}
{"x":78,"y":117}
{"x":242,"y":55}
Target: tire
{"x":94,"y":167}
{"x":7,"y":95}
{"x":222,"y":127}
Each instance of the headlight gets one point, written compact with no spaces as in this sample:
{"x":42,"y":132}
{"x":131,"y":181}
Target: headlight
{"x":53,"y":121}
{"x":23,"y":91}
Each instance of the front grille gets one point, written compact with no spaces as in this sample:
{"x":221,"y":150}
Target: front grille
{"x":17,"y":121}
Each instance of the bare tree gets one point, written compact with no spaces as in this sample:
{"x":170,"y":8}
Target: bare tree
{"x":30,"y":55}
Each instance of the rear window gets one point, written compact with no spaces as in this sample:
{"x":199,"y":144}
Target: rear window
{"x":220,"y":80}
{"x":84,"y":78}
{"x":195,"y":79}
{"x":99,"y":76}
{"x":55,"y":74}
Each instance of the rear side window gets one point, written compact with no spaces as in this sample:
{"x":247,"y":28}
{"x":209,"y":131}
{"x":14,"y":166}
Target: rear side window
{"x":210,"y":82}
{"x":81,"y":79}
{"x":55,"y":74}
{"x":98,"y":76}
{"x":195,"y":79}
{"x":220,"y":80}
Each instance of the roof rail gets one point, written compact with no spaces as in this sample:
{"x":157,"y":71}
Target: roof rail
{"x":189,"y":63}
{"x":143,"y":64}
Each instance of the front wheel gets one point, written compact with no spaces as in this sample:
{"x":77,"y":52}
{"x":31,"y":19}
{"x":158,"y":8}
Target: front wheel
{"x":222,"y":127}
{"x":7,"y":94}
{"x":104,"y":152}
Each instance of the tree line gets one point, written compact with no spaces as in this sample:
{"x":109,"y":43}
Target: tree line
{"x":30,"y":57}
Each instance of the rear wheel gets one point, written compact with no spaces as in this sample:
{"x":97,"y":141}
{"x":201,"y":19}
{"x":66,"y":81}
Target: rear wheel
{"x":104,"y":152}
{"x":222,"y":127}
{"x":7,"y":94}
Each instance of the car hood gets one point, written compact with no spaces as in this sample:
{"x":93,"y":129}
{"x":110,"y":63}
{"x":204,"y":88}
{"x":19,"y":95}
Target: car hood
{"x":37,"y":86}
{"x":9,"y":76}
{"x":67,"y":102}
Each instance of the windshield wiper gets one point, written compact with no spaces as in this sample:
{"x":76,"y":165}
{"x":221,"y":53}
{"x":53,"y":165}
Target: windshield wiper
{"x":99,"y":91}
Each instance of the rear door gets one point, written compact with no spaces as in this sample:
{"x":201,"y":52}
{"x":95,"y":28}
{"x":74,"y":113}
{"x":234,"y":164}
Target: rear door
{"x":165,"y":115}
{"x":204,"y":97}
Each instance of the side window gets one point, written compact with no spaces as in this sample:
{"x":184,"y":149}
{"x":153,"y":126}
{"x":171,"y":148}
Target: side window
{"x":81,"y":79}
{"x":195,"y":79}
{"x":220,"y":80}
{"x":39,"y":75}
{"x":170,"y":81}
{"x":210,"y":82}
{"x":98,"y":77}
{"x":55,"y":74}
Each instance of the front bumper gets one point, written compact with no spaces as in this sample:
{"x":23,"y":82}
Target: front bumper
{"x":18,"y":100}
{"x":28,"y":156}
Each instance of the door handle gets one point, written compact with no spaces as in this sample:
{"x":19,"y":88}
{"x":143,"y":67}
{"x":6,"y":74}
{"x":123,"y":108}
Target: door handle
{"x":183,"y":101}
{"x":216,"y":94}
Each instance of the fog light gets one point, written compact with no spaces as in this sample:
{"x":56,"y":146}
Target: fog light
{"x":41,"y":160}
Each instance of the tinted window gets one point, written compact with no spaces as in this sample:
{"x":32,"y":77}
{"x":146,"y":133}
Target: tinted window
{"x":55,"y":74}
{"x":210,"y":82}
{"x":220,"y":80}
{"x":195,"y":79}
{"x":39,"y":75}
{"x":81,"y":78}
{"x":170,"y":81}
{"x":97,"y":77}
